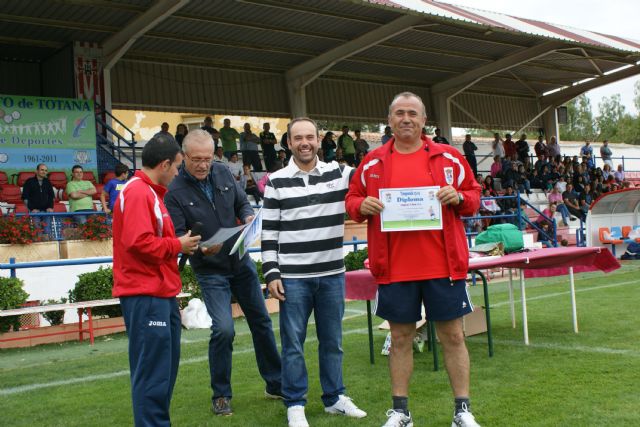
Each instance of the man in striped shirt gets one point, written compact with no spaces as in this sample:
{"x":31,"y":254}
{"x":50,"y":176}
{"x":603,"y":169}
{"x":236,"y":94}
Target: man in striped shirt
{"x":302,"y":233}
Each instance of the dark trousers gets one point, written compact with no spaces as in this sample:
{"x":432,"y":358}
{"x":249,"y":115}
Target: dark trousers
{"x":153,"y":326}
{"x":270,"y":156}
{"x":216,"y":291}
{"x":252,"y":158}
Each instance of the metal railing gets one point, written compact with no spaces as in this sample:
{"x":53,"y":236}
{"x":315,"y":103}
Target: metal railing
{"x":110,"y":140}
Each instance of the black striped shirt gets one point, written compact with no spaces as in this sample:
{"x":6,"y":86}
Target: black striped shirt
{"x":303,"y":221}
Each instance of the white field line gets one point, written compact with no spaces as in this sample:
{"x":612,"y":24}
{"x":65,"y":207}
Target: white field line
{"x":558,"y":294}
{"x":277,"y":328}
{"x":89,"y":378}
{"x":556,"y":346}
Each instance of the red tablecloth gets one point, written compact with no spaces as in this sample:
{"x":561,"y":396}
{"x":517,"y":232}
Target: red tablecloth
{"x":360,"y":285}
{"x":553,"y":261}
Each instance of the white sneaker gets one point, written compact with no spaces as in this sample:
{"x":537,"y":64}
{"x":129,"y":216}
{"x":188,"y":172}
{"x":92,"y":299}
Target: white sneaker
{"x":295,"y":415}
{"x":344,"y":406}
{"x":398,"y":419}
{"x":464,"y":418}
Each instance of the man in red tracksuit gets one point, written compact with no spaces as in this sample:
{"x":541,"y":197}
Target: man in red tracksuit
{"x":146,"y":279}
{"x":419,"y":267}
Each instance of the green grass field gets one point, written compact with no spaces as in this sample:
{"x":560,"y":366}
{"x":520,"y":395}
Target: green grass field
{"x":561,"y":379}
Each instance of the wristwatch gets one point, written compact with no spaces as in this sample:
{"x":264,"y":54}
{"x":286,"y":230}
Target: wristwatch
{"x":460,"y":198}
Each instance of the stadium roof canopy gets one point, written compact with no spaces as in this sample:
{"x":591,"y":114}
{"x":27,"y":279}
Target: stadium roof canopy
{"x":340,"y":59}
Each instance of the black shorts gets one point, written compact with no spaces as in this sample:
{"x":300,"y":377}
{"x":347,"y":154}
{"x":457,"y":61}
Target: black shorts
{"x":443,"y":299}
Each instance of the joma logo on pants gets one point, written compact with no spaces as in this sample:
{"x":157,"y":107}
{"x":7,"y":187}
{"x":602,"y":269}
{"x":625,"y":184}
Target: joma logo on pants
{"x":157,"y":323}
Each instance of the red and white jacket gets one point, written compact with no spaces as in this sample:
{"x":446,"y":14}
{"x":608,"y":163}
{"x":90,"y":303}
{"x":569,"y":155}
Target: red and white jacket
{"x":370,"y":177}
{"x":145,"y":246}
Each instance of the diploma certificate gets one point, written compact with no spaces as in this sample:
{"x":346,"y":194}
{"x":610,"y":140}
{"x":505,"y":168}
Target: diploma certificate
{"x":409,"y":209}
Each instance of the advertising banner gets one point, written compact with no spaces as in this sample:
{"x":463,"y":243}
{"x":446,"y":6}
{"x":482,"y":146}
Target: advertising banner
{"x":60,"y":132}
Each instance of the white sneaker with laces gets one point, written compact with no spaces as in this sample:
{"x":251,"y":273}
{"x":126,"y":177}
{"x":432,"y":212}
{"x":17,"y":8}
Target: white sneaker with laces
{"x":296,"y":417}
{"x":398,"y":419}
{"x":464,"y":418}
{"x":345,"y":406}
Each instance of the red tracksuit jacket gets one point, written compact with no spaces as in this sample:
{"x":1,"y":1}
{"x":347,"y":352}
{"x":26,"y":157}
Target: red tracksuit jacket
{"x":370,"y":177}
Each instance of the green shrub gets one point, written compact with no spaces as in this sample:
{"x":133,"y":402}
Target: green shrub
{"x":11,"y":296}
{"x":189,"y":284}
{"x":96,"y":285}
{"x":54,"y":317}
{"x":355,"y":260}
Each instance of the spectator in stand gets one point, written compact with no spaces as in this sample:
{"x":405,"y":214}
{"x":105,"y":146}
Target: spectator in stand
{"x":497,"y":146}
{"x":387,"y":135}
{"x":262,"y":183}
{"x":522,"y":181}
{"x":586,"y":198}
{"x":37,"y":191}
{"x":606,"y":153}
{"x":488,"y":184}
{"x":229,"y":136}
{"x":340,"y":157}
{"x":284,"y":145}
{"x":587,"y":152}
{"x":328,"y":146}
{"x":488,"y":207}
{"x":249,"y":183}
{"x":113,"y":187}
{"x":496,"y":167}
{"x":547,"y":214}
{"x":249,"y":143}
{"x":606,"y":171}
{"x":570,"y":200}
{"x":80,"y":192}
{"x":207,"y":125}
{"x":619,"y":174}
{"x":541,"y":163}
{"x":555,"y":198}
{"x":38,"y":195}
{"x":360,"y":144}
{"x":439,"y":138}
{"x":509,"y":205}
{"x":554,"y":148}
{"x":218,"y":156}
{"x":268,"y":142}
{"x":537,"y":180}
{"x":181,"y":132}
{"x":544,"y":234}
{"x":359,"y":158}
{"x":235,"y":166}
{"x":541,"y":148}
{"x":164,"y":130}
{"x":522,"y":149}
{"x":282,"y":157}
{"x":578,"y":184}
{"x":510,"y":151}
{"x":346,"y":143}
{"x":470,"y":149}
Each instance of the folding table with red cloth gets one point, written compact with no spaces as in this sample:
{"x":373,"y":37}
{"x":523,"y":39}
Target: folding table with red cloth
{"x":361,"y":285}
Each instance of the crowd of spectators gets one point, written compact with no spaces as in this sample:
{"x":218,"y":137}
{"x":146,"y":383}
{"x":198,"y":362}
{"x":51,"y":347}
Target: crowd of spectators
{"x":570,"y":183}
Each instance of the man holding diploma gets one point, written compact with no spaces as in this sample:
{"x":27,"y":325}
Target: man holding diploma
{"x":415,"y":266}
{"x":206,"y":192}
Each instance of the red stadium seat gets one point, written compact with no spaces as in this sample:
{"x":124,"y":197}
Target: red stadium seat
{"x":99,"y":188}
{"x":108,"y":176}
{"x":89,"y":176}
{"x":23,"y":176}
{"x":21,"y":209}
{"x":59,"y":207}
{"x":58,"y":179}
{"x":4,"y":179}
{"x":10,"y":193}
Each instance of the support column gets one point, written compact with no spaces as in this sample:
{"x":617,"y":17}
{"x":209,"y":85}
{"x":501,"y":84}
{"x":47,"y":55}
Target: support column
{"x":550,"y":119}
{"x":297,"y":98}
{"x":442,"y":114}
